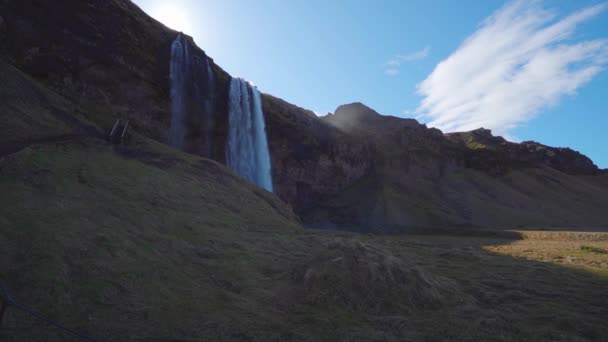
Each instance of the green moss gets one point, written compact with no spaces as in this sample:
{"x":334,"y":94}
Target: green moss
{"x":474,"y":145}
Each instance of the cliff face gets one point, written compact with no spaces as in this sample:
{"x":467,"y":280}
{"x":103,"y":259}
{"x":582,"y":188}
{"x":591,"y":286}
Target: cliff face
{"x":421,"y":177}
{"x":310,"y":158}
{"x":354,"y":168}
{"x":398,"y":144}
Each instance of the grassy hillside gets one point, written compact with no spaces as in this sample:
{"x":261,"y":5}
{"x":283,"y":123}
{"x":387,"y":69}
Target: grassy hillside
{"x":144,"y":243}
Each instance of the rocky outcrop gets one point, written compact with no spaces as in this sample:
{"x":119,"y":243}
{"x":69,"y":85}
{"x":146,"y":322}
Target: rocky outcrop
{"x":495,"y":155}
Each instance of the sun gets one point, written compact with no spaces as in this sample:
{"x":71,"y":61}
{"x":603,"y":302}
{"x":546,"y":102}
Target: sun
{"x":173,"y":17}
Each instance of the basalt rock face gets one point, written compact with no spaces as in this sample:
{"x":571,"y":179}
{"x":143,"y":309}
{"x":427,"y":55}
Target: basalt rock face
{"x":399,"y":144}
{"x":310,"y":158}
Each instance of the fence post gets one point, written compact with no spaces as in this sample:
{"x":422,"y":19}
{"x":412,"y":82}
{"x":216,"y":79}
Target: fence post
{"x":113,"y":131}
{"x":124,"y":132}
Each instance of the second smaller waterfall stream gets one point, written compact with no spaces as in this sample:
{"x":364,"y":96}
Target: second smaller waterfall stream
{"x":192,"y":98}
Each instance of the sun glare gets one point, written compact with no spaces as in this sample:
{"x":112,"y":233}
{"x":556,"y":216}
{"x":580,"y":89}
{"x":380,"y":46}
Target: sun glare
{"x":173,"y":17}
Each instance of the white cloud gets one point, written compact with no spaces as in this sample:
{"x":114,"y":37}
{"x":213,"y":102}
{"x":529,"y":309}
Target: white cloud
{"x":392,"y":65}
{"x":521,"y":60}
{"x":393,"y":62}
{"x":391,"y":71}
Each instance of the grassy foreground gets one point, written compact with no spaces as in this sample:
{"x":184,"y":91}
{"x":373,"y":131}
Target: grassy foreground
{"x":146,"y":244}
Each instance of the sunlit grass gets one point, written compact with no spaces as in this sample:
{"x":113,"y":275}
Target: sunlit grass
{"x":574,"y":249}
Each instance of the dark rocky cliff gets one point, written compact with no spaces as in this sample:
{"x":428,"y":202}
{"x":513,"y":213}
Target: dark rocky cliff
{"x":310,"y":158}
{"x":421,"y":177}
{"x":398,"y":143}
{"x":354,"y":168}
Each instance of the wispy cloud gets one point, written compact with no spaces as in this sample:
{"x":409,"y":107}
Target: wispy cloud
{"x":418,"y":55}
{"x":392,"y":65}
{"x":521,"y":60}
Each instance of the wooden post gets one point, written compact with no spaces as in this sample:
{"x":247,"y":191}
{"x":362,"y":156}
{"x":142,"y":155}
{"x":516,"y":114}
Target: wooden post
{"x":114,"y":129}
{"x":124,"y":131}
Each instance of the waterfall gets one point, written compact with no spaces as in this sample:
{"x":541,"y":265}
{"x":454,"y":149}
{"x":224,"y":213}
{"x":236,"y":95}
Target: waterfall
{"x":192,"y":109}
{"x":192,"y":92}
{"x":178,"y":74}
{"x":247,"y":147}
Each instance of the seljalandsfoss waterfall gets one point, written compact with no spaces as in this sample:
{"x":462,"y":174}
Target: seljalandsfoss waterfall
{"x":192,"y":98}
{"x":247,"y":148}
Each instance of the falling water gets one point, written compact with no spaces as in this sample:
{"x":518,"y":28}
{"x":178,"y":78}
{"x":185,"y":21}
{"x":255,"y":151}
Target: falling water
{"x":247,"y":147}
{"x":178,"y":75}
{"x":192,"y":105}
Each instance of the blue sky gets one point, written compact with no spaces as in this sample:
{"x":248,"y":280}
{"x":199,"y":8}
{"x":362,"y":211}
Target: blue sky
{"x":529,"y":70}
